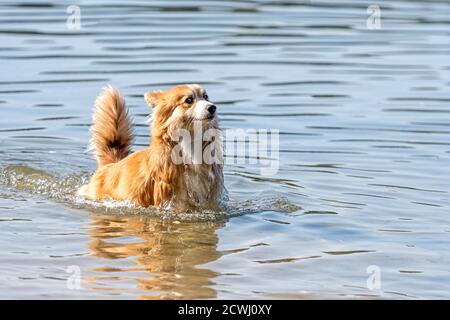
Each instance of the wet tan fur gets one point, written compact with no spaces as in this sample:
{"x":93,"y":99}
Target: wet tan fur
{"x":149,"y":177}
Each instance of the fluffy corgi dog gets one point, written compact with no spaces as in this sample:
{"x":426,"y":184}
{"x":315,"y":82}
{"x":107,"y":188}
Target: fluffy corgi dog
{"x":182,"y":167}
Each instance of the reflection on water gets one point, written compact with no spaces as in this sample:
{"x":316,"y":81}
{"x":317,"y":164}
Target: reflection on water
{"x":363,"y":178}
{"x":170,"y":253}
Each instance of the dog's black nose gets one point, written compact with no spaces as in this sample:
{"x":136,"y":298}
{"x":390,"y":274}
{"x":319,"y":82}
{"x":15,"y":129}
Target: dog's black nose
{"x":212,"y":109}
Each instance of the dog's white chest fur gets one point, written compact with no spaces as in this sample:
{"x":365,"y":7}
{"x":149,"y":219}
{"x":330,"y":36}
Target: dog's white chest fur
{"x":202,"y":185}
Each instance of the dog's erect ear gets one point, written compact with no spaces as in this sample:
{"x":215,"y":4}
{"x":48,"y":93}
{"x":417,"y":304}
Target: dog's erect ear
{"x":153,"y":98}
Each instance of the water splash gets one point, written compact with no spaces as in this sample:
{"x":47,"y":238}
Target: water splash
{"x":22,"y":178}
{"x":39,"y":182}
{"x":278,"y":204}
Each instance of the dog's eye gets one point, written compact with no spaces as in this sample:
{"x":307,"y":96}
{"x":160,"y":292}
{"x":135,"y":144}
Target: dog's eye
{"x":205,"y":96}
{"x":189,"y":100}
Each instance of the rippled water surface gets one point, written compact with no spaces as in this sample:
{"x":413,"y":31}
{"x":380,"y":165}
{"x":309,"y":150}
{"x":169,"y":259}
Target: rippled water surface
{"x":363,"y":183}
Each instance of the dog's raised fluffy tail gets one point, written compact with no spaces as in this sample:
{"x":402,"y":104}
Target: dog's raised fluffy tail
{"x":112,"y":131}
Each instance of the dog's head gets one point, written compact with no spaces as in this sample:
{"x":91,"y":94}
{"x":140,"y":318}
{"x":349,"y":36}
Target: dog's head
{"x":180,"y":108}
